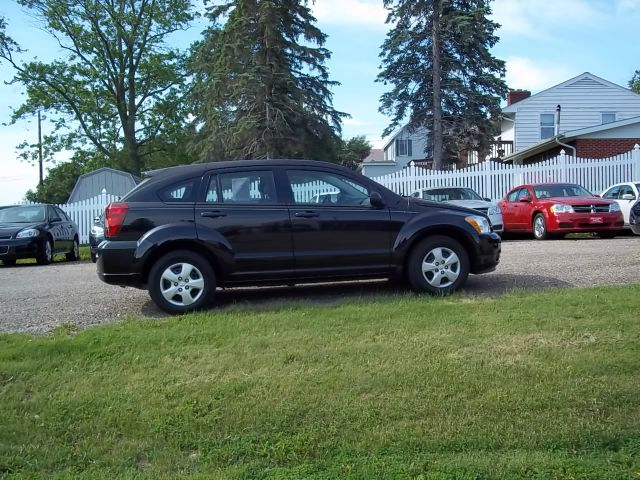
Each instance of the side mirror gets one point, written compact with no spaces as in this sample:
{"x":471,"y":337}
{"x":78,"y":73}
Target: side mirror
{"x":376,"y":200}
{"x":56,"y":220}
{"x":628,"y":196}
{"x":486,"y":199}
{"x":596,"y":195}
{"x":525,"y":199}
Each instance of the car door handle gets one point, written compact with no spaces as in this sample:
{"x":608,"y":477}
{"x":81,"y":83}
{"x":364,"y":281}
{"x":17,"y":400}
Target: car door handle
{"x":306,"y":214}
{"x":213,"y":214}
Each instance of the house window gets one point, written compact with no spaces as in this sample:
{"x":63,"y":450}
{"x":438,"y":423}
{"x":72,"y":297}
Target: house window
{"x":403,"y":148}
{"x":547,"y":129}
{"x":608,"y":117}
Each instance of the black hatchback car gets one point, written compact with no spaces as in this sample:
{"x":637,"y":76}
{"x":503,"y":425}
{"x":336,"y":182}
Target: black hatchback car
{"x":186,"y":230}
{"x":36,"y":231}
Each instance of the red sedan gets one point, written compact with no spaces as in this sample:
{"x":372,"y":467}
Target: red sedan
{"x":548,"y":209}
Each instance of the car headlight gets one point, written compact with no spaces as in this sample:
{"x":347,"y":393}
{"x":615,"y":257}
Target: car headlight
{"x":614,"y":207}
{"x":561,"y":208}
{"x":494,"y":210}
{"x":28,"y":233}
{"x":481,"y":224}
{"x":96,"y":231}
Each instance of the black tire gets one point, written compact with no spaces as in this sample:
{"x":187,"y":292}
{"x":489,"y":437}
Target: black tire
{"x":94,"y":257}
{"x":451,"y":278}
{"x":74,"y":254}
{"x":540,"y":233}
{"x":197,"y":268}
{"x":9,"y":262}
{"x":45,"y":253}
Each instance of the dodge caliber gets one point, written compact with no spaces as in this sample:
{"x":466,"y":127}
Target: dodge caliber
{"x":185,"y":231}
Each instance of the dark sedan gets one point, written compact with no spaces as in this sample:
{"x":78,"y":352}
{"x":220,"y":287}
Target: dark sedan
{"x":634,"y":218}
{"x":36,"y":231}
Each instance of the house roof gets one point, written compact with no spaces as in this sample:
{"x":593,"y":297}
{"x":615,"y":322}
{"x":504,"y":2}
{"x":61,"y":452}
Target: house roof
{"x":375,"y":155}
{"x":549,"y":143}
{"x":583,"y":76}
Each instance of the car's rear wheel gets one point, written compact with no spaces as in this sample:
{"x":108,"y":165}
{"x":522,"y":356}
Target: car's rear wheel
{"x":45,"y":253}
{"x":181,"y":281}
{"x":438,"y":265}
{"x":540,"y":227}
{"x":74,"y":254}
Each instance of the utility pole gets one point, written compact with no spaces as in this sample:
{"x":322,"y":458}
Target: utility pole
{"x":40,"y":146}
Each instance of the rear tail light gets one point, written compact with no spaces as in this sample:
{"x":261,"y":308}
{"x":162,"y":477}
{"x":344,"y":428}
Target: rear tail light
{"x":114,"y":217}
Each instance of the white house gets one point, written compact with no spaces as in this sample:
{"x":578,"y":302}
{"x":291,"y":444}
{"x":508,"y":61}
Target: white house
{"x":402,"y":147}
{"x":586,"y":101}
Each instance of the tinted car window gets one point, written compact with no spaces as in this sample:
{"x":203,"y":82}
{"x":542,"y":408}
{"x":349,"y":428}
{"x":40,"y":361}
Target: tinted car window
{"x":212,"y":190}
{"x":324,"y":188}
{"x":183,"y":191}
{"x":513,"y":196}
{"x":611,"y":193}
{"x":53,"y":215}
{"x":62,"y":215}
{"x":248,"y":187}
{"x":560,"y":190}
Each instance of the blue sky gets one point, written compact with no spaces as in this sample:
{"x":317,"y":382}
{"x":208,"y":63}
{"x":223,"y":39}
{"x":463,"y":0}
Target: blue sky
{"x":544,"y":42}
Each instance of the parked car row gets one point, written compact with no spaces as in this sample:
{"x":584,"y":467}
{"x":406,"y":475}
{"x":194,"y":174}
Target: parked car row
{"x":549,"y":209}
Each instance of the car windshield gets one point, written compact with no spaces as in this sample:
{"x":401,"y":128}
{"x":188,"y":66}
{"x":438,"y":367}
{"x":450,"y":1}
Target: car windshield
{"x":22,"y":214}
{"x":447,"y":194}
{"x":560,"y":190}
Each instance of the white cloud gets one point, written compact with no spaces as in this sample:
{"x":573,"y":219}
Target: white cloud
{"x":362,"y":12}
{"x":526,"y":74}
{"x":354,"y":122}
{"x":537,"y":18}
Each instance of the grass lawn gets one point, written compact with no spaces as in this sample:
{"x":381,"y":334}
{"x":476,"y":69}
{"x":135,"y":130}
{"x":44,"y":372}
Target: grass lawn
{"x":537,"y":386}
{"x":85,"y":254}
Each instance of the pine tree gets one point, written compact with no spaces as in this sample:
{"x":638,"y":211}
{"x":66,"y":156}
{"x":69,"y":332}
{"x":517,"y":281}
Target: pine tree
{"x":263,"y":90}
{"x":445,"y":79}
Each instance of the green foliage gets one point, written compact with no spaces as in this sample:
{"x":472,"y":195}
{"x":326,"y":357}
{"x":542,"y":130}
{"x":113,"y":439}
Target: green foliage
{"x":120,"y":86}
{"x":352,"y":151}
{"x":262,"y":88}
{"x":458,"y":36}
{"x":634,"y":83}
{"x":526,"y":386}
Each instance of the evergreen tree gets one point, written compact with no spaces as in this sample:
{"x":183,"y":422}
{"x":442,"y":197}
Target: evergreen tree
{"x":634,"y":83}
{"x":437,"y":58}
{"x":262,"y":88}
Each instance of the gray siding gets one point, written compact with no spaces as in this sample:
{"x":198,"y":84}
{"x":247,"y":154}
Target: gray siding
{"x":91,"y":184}
{"x":583,"y":101}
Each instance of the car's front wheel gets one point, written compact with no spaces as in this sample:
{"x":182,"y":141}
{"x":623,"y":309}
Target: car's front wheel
{"x":540,"y":227}
{"x":74,"y":254}
{"x":438,"y":265}
{"x":45,"y":253}
{"x":181,"y":281}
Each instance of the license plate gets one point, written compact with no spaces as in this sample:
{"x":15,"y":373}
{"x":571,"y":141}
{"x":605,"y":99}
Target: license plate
{"x":596,"y":220}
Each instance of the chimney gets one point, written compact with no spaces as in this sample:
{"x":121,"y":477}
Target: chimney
{"x":517,"y":95}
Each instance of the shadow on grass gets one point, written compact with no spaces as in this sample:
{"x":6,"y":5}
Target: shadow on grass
{"x":331,"y":294}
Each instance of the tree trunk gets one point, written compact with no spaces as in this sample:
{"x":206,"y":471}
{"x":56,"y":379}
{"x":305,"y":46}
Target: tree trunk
{"x":437,"y":93}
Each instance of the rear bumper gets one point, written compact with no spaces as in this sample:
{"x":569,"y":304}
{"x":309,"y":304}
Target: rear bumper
{"x":585,"y":222}
{"x":19,"y":248}
{"x":117,"y":264}
{"x":487,"y":256}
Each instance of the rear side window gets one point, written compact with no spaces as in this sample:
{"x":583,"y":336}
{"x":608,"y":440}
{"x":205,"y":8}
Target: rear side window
{"x":247,"y":187}
{"x":183,"y":191}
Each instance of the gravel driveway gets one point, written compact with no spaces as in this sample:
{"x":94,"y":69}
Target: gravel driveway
{"x":36,"y":299}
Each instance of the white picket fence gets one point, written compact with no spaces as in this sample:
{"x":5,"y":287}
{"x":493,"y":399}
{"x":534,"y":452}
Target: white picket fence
{"x":493,"y":179}
{"x":83,"y":212}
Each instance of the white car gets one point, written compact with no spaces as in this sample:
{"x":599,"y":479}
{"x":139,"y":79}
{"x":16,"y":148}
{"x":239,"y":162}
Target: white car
{"x":465,"y":197}
{"x":625,"y":194}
